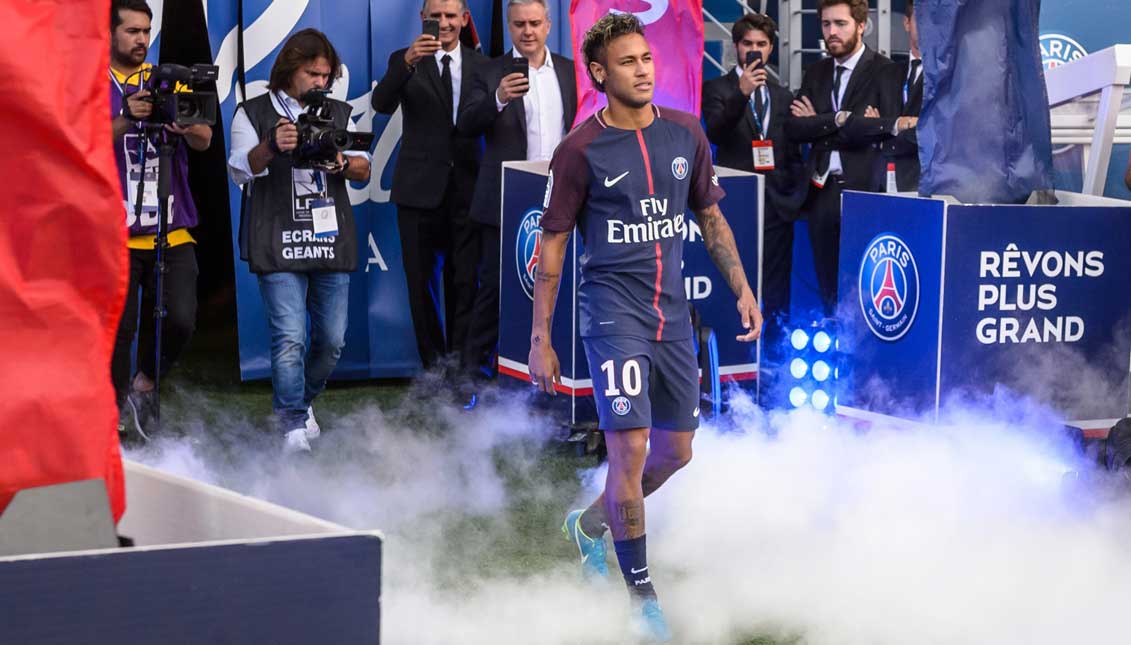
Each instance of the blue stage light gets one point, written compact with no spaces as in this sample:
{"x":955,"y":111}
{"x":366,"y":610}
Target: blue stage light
{"x":798,"y":397}
{"x":798,"y":368}
{"x":822,"y":341}
{"x":799,"y":339}
{"x":821,"y":371}
{"x":820,"y":399}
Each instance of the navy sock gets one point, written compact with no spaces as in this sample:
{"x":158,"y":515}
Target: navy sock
{"x":633,"y":558}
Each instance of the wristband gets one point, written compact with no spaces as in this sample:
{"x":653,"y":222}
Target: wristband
{"x":273,"y":145}
{"x":345,"y":164}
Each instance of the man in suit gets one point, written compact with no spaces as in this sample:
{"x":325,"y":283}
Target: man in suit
{"x":833,"y":90}
{"x":901,"y":98}
{"x":524,"y":116}
{"x":435,"y":174}
{"x":745,"y":110}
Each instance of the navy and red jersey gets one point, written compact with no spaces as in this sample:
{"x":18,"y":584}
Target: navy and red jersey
{"x":629,"y":192}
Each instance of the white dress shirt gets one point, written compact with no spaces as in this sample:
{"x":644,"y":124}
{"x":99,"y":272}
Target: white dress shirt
{"x":543,"y":106}
{"x":456,"y":67}
{"x":835,"y":167}
{"x":244,"y":138}
{"x":765,"y":92}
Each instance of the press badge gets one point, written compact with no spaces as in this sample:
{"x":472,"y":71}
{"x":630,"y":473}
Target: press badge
{"x":763,"y":155}
{"x":135,"y":171}
{"x":325,"y":217}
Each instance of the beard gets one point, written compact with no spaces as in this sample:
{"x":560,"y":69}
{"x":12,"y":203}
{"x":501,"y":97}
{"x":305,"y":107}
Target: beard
{"x":844,"y":47}
{"x":131,"y":57}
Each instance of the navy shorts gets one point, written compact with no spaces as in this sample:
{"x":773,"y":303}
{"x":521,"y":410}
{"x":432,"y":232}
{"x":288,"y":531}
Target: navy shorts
{"x":640,"y":383}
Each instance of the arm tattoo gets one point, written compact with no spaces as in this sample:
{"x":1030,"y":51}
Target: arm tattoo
{"x":720,"y":244}
{"x":631,"y":517}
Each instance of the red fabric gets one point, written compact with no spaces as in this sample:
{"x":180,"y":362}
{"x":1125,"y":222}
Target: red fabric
{"x":674,"y":29}
{"x":63,"y":258}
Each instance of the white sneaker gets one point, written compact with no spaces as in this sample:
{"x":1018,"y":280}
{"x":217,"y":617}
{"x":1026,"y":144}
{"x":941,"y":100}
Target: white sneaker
{"x":312,"y":429}
{"x":295,"y":442}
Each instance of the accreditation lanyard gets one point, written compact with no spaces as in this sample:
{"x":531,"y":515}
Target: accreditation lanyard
{"x":758,"y":117}
{"x":122,"y":91}
{"x":317,"y":175}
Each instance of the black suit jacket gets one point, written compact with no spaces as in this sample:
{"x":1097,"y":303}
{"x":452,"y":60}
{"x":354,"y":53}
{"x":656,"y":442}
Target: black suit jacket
{"x":433,"y":153}
{"x":731,"y":127}
{"x":857,"y":145}
{"x":506,"y":130}
{"x":902,"y":149}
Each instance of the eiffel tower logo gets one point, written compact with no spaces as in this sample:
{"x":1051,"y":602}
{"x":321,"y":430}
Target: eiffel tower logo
{"x":532,"y":263}
{"x":887,"y":300}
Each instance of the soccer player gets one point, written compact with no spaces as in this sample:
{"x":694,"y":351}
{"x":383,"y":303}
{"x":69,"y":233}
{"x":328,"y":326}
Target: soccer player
{"x":626,"y":177}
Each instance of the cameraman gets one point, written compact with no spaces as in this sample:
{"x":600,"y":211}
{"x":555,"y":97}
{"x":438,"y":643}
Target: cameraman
{"x":298,"y":231}
{"x":129,"y":43}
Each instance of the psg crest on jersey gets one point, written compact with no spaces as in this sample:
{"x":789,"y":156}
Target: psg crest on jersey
{"x":621,"y":406}
{"x":527,"y":249}
{"x":679,"y":167}
{"x":889,"y":287}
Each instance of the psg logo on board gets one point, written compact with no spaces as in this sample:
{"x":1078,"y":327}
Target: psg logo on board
{"x":679,"y":167}
{"x":527,"y":249}
{"x":1058,"y":49}
{"x":889,"y":287}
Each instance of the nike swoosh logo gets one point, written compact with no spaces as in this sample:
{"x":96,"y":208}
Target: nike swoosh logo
{"x":609,"y":183}
{"x":636,"y":571}
{"x":695,"y":413}
{"x":585,"y":558}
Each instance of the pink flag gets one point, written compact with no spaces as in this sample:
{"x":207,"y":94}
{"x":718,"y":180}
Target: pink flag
{"x":674,"y":28}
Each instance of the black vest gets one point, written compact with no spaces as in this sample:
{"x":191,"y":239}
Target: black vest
{"x":272,"y":239}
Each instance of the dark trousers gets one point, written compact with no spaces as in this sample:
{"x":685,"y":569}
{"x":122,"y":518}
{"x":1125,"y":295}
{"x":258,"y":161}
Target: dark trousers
{"x":179,"y":287}
{"x":823,"y":210}
{"x":777,"y":264}
{"x":430,"y":239}
{"x":483,"y":333}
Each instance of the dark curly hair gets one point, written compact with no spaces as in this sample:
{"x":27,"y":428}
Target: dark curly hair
{"x":603,"y":32}
{"x":764,"y":24}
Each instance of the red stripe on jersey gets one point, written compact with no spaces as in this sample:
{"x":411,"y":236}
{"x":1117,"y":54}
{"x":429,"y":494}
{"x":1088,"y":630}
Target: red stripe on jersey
{"x":656,"y":298}
{"x":647,"y":162}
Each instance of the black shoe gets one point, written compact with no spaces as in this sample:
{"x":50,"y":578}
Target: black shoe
{"x":143,"y":405}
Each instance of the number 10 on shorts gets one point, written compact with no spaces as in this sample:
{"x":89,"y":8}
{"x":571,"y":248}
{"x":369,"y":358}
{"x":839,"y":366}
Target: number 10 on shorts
{"x":630,"y":377}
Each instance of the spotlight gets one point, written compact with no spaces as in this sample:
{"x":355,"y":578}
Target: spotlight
{"x":799,"y":339}
{"x":821,"y":371}
{"x":797,"y":397}
{"x":798,"y":367}
{"x":822,"y":342}
{"x":820,"y":399}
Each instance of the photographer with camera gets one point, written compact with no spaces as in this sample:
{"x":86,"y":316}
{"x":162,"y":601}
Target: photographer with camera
{"x":134,"y":114}
{"x":293,"y":149}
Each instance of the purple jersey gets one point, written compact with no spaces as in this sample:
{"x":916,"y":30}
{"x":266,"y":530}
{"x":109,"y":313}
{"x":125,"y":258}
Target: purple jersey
{"x":629,"y":191}
{"x":126,"y":151}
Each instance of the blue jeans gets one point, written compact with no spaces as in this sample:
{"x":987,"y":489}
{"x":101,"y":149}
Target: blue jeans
{"x":298,"y":374}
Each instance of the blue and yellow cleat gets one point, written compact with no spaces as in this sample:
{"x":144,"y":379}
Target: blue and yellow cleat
{"x":592,"y":550}
{"x":649,"y":625}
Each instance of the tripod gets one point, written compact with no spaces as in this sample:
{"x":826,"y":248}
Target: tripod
{"x":166,"y":143}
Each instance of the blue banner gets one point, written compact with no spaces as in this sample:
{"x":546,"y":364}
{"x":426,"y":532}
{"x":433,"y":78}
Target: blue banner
{"x":942,"y":300}
{"x":984,"y":134}
{"x":379,"y":341}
